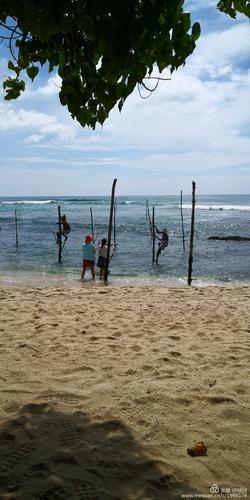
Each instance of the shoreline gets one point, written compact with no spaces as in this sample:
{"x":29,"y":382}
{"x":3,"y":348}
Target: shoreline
{"x":103,"y":392}
{"x":71,"y":280}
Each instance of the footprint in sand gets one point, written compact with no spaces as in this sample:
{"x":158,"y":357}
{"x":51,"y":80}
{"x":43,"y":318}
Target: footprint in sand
{"x":175,"y":325}
{"x":176,"y":354}
{"x":200,"y":355}
{"x":234,"y":414}
{"x":56,"y":493}
{"x":166,"y":374}
{"x":241,"y":390}
{"x":135,"y":348}
{"x":183,"y":401}
{"x":147,"y":368}
{"x":7,"y":462}
{"x":162,"y":483}
{"x":221,"y":399}
{"x":117,"y":334}
{"x":11,"y":406}
{"x":67,"y":398}
{"x":130,"y":372}
{"x":40,"y":326}
{"x":65,"y":459}
{"x":86,"y":490}
{"x":37,"y":471}
{"x":16,"y":455}
{"x":70,"y":435}
{"x":81,"y":368}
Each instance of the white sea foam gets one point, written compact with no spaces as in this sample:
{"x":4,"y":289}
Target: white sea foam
{"x":44,"y":280}
{"x":27,"y":202}
{"x":245,"y":208}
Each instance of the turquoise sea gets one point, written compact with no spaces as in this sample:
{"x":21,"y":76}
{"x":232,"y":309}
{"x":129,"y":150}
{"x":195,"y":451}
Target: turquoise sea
{"x":214,"y":262}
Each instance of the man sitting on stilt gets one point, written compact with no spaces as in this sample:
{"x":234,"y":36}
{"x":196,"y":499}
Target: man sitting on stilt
{"x":65,"y":229}
{"x":163,"y":241}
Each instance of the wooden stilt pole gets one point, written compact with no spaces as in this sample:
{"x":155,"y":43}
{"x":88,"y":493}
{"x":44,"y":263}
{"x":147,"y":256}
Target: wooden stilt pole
{"x":110,"y":228}
{"x":182,"y":226}
{"x":92,"y":223}
{"x":16,"y":231}
{"x":153,"y":235}
{"x":148,"y":214}
{"x":114,"y":234}
{"x":190,"y":260}
{"x":59,"y":236}
{"x":149,"y":220}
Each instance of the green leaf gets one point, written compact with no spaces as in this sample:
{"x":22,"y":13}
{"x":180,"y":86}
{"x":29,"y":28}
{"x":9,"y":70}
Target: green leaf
{"x":186,"y":21}
{"x":11,"y":95}
{"x":32,"y":71}
{"x":12,"y":66}
{"x":196,"y":31}
{"x":21,"y":85}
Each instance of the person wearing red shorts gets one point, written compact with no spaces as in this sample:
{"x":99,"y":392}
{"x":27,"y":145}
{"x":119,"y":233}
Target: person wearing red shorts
{"x":88,"y":256}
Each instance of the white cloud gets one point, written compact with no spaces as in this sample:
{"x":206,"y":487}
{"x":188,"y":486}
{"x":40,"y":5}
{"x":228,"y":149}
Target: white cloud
{"x":50,"y":88}
{"x":190,"y":110}
{"x":197,"y":124}
{"x":32,"y":120}
{"x":221,"y":48}
{"x":34,"y":138}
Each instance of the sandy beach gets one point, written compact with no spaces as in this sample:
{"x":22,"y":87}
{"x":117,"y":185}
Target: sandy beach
{"x":103,"y":389}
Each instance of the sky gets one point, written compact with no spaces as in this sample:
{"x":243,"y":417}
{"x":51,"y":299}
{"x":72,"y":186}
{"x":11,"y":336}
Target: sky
{"x":194,"y":127}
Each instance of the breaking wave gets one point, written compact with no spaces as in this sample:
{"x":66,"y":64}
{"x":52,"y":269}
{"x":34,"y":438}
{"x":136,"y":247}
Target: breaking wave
{"x":245,"y":208}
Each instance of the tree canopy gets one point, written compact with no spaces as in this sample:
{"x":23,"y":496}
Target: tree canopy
{"x":101,"y":48}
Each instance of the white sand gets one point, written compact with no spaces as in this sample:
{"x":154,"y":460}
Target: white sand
{"x":103,"y":389}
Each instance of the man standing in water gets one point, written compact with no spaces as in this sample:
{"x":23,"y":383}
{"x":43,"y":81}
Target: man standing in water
{"x":163,"y":241}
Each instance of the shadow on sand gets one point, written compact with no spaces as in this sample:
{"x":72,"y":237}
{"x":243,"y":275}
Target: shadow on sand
{"x":49,"y":455}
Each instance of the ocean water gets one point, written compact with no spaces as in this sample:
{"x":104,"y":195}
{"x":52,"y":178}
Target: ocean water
{"x":214,"y":262}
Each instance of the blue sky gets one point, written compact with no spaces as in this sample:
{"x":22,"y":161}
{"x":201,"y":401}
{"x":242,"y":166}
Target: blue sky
{"x":194,"y":127}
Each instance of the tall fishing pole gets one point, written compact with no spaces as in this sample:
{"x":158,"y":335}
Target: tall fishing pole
{"x":153,"y":235}
{"x":114,"y":225}
{"x":190,"y":260}
{"x":92,"y":223}
{"x":16,"y":231}
{"x":110,"y":228}
{"x":148,"y":217}
{"x":182,"y":226}
{"x":59,"y":236}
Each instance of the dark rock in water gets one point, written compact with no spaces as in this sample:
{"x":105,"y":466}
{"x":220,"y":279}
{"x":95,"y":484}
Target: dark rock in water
{"x":229,"y":238}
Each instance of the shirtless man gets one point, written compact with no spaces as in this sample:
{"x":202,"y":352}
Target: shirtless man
{"x":65,"y":229}
{"x":163,"y":241}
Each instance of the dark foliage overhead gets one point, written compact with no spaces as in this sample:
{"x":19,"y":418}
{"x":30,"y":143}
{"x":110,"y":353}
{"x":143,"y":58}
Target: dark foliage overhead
{"x":101,"y":48}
